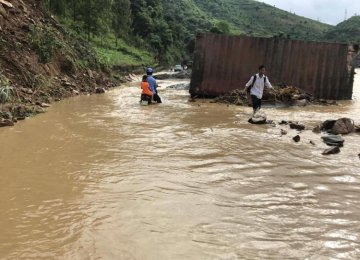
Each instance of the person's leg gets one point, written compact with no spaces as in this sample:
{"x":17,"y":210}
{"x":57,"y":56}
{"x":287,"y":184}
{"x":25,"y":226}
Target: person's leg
{"x":157,"y":98}
{"x":260,"y":102}
{"x":148,"y":98}
{"x":255,"y":102}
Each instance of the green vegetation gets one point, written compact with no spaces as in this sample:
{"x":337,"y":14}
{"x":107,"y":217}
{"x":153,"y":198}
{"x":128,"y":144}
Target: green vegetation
{"x":112,"y":51}
{"x":258,"y":19}
{"x":141,"y":32}
{"x":43,"y":41}
{"x":347,"y":31}
{"x":6,"y":90}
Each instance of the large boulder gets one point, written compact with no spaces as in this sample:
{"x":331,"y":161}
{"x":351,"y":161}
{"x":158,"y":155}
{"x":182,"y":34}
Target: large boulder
{"x":340,"y":126}
{"x":333,"y":140}
{"x":327,"y":125}
{"x":343,"y":126}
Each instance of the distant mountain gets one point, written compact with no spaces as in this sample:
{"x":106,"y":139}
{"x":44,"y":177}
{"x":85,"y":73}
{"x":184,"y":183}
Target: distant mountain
{"x":347,"y":31}
{"x":247,"y":17}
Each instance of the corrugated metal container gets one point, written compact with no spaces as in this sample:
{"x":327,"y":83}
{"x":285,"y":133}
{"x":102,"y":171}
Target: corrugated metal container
{"x":223,"y":63}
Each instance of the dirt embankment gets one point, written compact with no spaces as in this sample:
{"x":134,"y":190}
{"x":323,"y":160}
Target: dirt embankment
{"x":41,"y":62}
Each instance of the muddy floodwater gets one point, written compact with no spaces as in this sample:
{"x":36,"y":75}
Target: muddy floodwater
{"x":101,"y":177}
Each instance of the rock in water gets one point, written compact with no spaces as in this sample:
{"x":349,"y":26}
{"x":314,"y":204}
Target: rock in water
{"x":343,"y":126}
{"x":258,"y":118}
{"x":297,"y":139}
{"x":297,"y":126}
{"x":301,"y":103}
{"x":333,"y":140}
{"x":45,"y":105}
{"x":6,"y":122}
{"x":317,"y":129}
{"x":327,"y":125}
{"x":99,"y":90}
{"x":333,"y":150}
{"x":283,"y":132}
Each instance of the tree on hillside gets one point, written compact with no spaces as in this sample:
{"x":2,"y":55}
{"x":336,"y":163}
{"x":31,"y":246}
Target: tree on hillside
{"x":95,"y":15}
{"x":121,"y":18}
{"x":221,"y":27}
{"x":56,"y":6}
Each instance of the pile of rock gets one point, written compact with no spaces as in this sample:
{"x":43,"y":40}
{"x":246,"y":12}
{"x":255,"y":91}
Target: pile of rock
{"x":289,"y":95}
{"x":332,"y":130}
{"x":235,"y":97}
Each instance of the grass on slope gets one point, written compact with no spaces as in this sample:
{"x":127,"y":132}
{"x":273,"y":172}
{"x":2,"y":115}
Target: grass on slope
{"x":121,"y":55}
{"x":347,"y":31}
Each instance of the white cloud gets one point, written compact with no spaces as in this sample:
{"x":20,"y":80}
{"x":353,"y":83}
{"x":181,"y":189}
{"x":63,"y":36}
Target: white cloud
{"x":327,"y":11}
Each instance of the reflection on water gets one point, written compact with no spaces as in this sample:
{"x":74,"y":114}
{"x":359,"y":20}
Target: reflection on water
{"x":101,"y":177}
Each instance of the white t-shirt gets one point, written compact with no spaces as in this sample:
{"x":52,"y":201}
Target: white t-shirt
{"x":258,"y":88}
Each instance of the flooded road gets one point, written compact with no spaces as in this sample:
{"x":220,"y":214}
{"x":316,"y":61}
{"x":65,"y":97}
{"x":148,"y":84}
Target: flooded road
{"x":101,"y":177}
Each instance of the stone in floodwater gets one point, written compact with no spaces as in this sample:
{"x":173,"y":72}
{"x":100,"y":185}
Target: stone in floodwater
{"x":333,"y":140}
{"x":317,"y":129}
{"x":343,"y":126}
{"x":297,"y":139}
{"x":333,"y":150}
{"x":99,"y":90}
{"x":297,"y":126}
{"x":6,"y":122}
{"x":283,"y":132}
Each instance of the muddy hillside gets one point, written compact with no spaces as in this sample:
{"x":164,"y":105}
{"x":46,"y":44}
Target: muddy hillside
{"x":41,"y":62}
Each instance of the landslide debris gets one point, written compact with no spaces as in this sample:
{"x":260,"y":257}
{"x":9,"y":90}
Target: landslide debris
{"x":41,"y":61}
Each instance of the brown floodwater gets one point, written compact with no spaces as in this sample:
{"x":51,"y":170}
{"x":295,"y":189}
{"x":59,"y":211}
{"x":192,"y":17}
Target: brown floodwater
{"x":101,"y":177}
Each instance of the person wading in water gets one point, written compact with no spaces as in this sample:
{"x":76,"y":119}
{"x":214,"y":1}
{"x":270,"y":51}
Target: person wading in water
{"x":256,"y":86}
{"x":146,"y":94}
{"x":152,"y":83}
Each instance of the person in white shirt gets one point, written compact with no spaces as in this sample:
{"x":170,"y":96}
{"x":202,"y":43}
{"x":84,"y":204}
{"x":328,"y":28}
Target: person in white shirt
{"x":256,"y":86}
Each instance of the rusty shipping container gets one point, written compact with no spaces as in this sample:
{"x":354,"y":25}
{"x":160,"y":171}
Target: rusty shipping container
{"x":223,"y":63}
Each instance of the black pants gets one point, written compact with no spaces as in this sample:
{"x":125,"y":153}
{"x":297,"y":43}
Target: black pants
{"x":146,"y":98}
{"x":256,"y":102}
{"x":157,"y":98}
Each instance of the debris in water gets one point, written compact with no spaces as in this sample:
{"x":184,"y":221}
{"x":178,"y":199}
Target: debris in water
{"x":297,"y":126}
{"x":297,"y":139}
{"x":333,"y":140}
{"x":283,"y":132}
{"x":333,"y":150}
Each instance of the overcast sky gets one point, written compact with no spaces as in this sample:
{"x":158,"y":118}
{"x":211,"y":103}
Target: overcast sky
{"x":327,"y":11}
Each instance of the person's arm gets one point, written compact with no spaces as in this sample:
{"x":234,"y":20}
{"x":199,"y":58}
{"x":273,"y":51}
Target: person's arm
{"x":267,"y":83}
{"x":249,"y":83}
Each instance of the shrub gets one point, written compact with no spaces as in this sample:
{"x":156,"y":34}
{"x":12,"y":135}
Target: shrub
{"x":6,"y":90}
{"x":44,"y":42}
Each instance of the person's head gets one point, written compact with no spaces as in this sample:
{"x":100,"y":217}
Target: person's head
{"x":144,"y":78}
{"x":262,"y":70}
{"x":149,"y":71}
